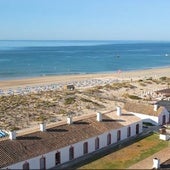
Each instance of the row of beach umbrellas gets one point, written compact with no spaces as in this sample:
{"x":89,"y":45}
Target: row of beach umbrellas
{"x":59,"y":86}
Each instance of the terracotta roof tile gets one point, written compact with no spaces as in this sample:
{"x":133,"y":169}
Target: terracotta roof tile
{"x":142,"y":108}
{"x":165,"y":92}
{"x":166,"y":164}
{"x":38,"y":143}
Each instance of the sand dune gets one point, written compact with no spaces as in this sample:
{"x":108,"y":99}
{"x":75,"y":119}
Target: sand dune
{"x":94,"y":92}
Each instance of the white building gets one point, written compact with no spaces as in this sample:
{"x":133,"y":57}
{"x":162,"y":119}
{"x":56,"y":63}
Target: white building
{"x":51,"y":147}
{"x":154,"y":114}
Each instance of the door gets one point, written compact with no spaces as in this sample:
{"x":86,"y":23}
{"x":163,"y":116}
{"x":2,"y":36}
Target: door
{"x":42,"y":163}
{"x":57,"y":158}
{"x":137,"y":129}
{"x":163,"y":119}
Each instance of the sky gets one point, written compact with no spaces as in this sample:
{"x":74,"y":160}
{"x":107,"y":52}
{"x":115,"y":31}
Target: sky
{"x":85,"y":20}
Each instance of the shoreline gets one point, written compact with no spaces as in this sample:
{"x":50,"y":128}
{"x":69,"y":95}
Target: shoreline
{"x":120,"y":75}
{"x":45,"y":97}
{"x":80,"y":73}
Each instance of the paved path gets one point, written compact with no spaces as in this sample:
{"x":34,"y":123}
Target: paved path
{"x":147,"y":163}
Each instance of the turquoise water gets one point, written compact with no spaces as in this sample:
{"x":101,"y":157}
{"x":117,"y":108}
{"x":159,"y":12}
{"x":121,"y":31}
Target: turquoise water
{"x":21,"y":59}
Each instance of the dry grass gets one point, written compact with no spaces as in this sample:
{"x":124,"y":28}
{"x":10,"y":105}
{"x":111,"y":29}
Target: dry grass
{"x":21,"y":111}
{"x":129,"y":155}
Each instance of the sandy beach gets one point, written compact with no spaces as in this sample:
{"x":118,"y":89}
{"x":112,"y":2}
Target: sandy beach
{"x":25,"y":102}
{"x":120,"y":75}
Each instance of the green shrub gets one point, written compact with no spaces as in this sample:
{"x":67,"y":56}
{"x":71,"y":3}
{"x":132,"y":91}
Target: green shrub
{"x":85,"y":100}
{"x":69,"y":100}
{"x":13,"y":128}
{"x":62,"y":112}
{"x":94,"y":103}
{"x":116,"y":86}
{"x":163,"y":78}
{"x":142,"y":84}
{"x":41,"y":118}
{"x":134,"y":97}
{"x":150,"y":78}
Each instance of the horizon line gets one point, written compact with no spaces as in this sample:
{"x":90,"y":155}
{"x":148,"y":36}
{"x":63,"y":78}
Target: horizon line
{"x":75,"y":40}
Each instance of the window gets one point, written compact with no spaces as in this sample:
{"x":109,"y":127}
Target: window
{"x":109,"y":139}
{"x":42,"y":163}
{"x":137,"y":129}
{"x":96,"y":143}
{"x":164,"y":119}
{"x":85,"y":147}
{"x":57,"y":158}
{"x":26,"y":166}
{"x":129,"y":131}
{"x":118,"y":135}
{"x":71,"y":153}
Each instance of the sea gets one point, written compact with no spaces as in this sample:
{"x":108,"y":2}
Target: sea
{"x":30,"y":58}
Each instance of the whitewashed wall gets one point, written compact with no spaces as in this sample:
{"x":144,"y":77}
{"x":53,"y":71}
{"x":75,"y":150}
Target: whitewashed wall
{"x":91,"y":145}
{"x":160,"y":119}
{"x":103,"y":140}
{"x":34,"y":163}
{"x":123,"y":133}
{"x":157,"y":120}
{"x":147,"y":118}
{"x":164,"y":112}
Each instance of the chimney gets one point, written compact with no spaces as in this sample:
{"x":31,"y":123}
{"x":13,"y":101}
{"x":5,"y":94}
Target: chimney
{"x":156,"y":163}
{"x":118,"y":111}
{"x":42,"y":127}
{"x":162,"y":130}
{"x":99,"y":117}
{"x":155,"y":107}
{"x":69,"y":120}
{"x":12,"y":135}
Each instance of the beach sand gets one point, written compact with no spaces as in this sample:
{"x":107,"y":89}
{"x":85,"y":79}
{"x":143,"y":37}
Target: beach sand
{"x":121,"y":75}
{"x":93,"y":93}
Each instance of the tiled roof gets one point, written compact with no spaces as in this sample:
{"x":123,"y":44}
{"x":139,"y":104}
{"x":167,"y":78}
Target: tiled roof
{"x":165,"y":104}
{"x":142,"y":108}
{"x":163,"y":91}
{"x":166,"y":164}
{"x":166,"y":92}
{"x":38,"y":143}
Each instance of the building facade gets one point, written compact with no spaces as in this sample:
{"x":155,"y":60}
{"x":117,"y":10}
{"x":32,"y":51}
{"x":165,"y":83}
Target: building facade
{"x":64,"y":143}
{"x":154,"y":114}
